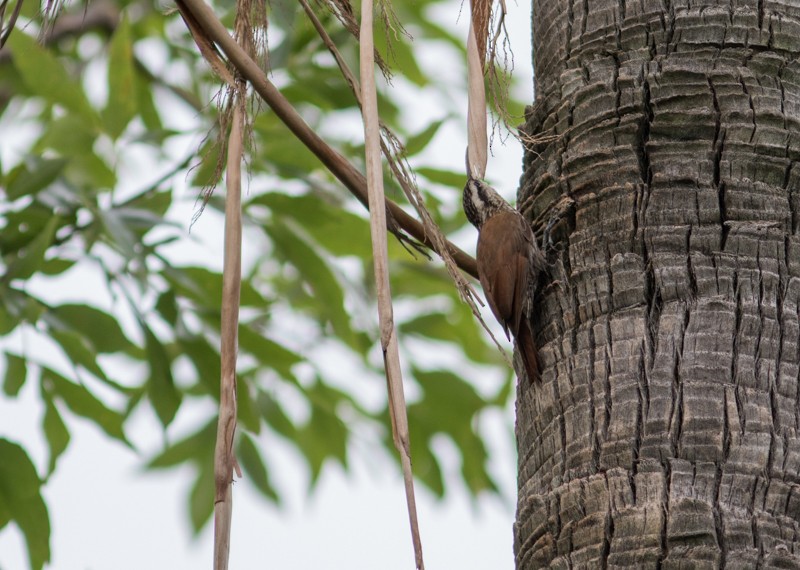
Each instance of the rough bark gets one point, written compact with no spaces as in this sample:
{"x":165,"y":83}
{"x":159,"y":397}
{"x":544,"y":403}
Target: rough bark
{"x":664,"y":433}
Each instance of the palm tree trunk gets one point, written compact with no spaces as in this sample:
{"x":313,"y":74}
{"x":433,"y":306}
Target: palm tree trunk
{"x":664,"y":433}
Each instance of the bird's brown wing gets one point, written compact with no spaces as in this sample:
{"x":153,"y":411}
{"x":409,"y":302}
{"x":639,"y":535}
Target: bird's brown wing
{"x":503,"y":267}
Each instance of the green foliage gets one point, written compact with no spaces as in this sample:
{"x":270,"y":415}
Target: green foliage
{"x":143,"y":325}
{"x":21,"y":501}
{"x":121,"y":106}
{"x":46,"y":77}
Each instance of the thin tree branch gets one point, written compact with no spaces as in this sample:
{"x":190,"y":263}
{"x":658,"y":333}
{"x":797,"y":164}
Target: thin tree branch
{"x":352,"y":179}
{"x":207,"y":48}
{"x":224,"y":458}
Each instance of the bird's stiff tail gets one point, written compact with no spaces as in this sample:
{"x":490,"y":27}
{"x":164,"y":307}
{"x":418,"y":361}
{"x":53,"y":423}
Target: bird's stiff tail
{"x":528,"y":352}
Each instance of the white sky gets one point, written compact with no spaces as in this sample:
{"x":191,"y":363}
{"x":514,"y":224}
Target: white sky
{"x":107,"y":513}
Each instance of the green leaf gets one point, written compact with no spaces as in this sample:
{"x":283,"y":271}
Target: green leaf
{"x":78,"y":350}
{"x":314,"y":269}
{"x":81,"y":402}
{"x":33,"y":175}
{"x":167,"y":307}
{"x":164,"y":396}
{"x":88,"y":169}
{"x":433,"y":31}
{"x":29,"y":260}
{"x":147,"y":108}
{"x":205,"y":359}
{"x":473,"y":465}
{"x":205,"y":287}
{"x":31,"y":308}
{"x":418,"y":142}
{"x":56,"y":433}
{"x":201,"y":500}
{"x":21,"y":501}
{"x":7,"y":321}
{"x":442,"y":386}
{"x":268,"y":352}
{"x":30,"y":12}
{"x":15,"y":308}
{"x":203,"y":173}
{"x":100,"y":328}
{"x":450,"y":406}
{"x":421,"y":279}
{"x":56,"y":266}
{"x":253,"y":465}
{"x":332,"y":227}
{"x":274,"y":415}
{"x":69,"y":135}
{"x":16,"y":372}
{"x":287,"y":155}
{"x":142,"y":220}
{"x":5,"y":514}
{"x":426,"y":466}
{"x":325,"y":435}
{"x":197,"y":448}
{"x":153,"y":201}
{"x":121,"y":103}
{"x":310,"y":87}
{"x":120,"y":235}
{"x":246,"y":409}
{"x":443,"y":177}
{"x":457,"y":326}
{"x":23,"y":226}
{"x":46,"y":77}
{"x":398,"y":53}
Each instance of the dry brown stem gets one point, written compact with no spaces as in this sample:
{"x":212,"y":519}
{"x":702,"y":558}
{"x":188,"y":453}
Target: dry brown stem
{"x":224,"y":459}
{"x":380,"y":256}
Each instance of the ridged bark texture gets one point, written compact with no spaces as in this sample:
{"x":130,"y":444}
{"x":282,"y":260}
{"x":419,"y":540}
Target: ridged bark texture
{"x":664,"y":433}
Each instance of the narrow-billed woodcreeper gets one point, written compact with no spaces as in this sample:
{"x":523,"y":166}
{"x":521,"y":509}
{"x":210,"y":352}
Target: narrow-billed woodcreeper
{"x":509,"y":263}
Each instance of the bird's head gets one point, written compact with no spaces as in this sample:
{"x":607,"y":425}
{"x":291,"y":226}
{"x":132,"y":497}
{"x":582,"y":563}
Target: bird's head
{"x":481,"y":202}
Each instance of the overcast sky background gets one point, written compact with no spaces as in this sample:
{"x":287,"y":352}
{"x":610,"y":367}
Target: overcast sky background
{"x":107,"y":513}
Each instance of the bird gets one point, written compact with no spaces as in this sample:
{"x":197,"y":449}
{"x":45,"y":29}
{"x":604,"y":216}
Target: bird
{"x":509,"y":263}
